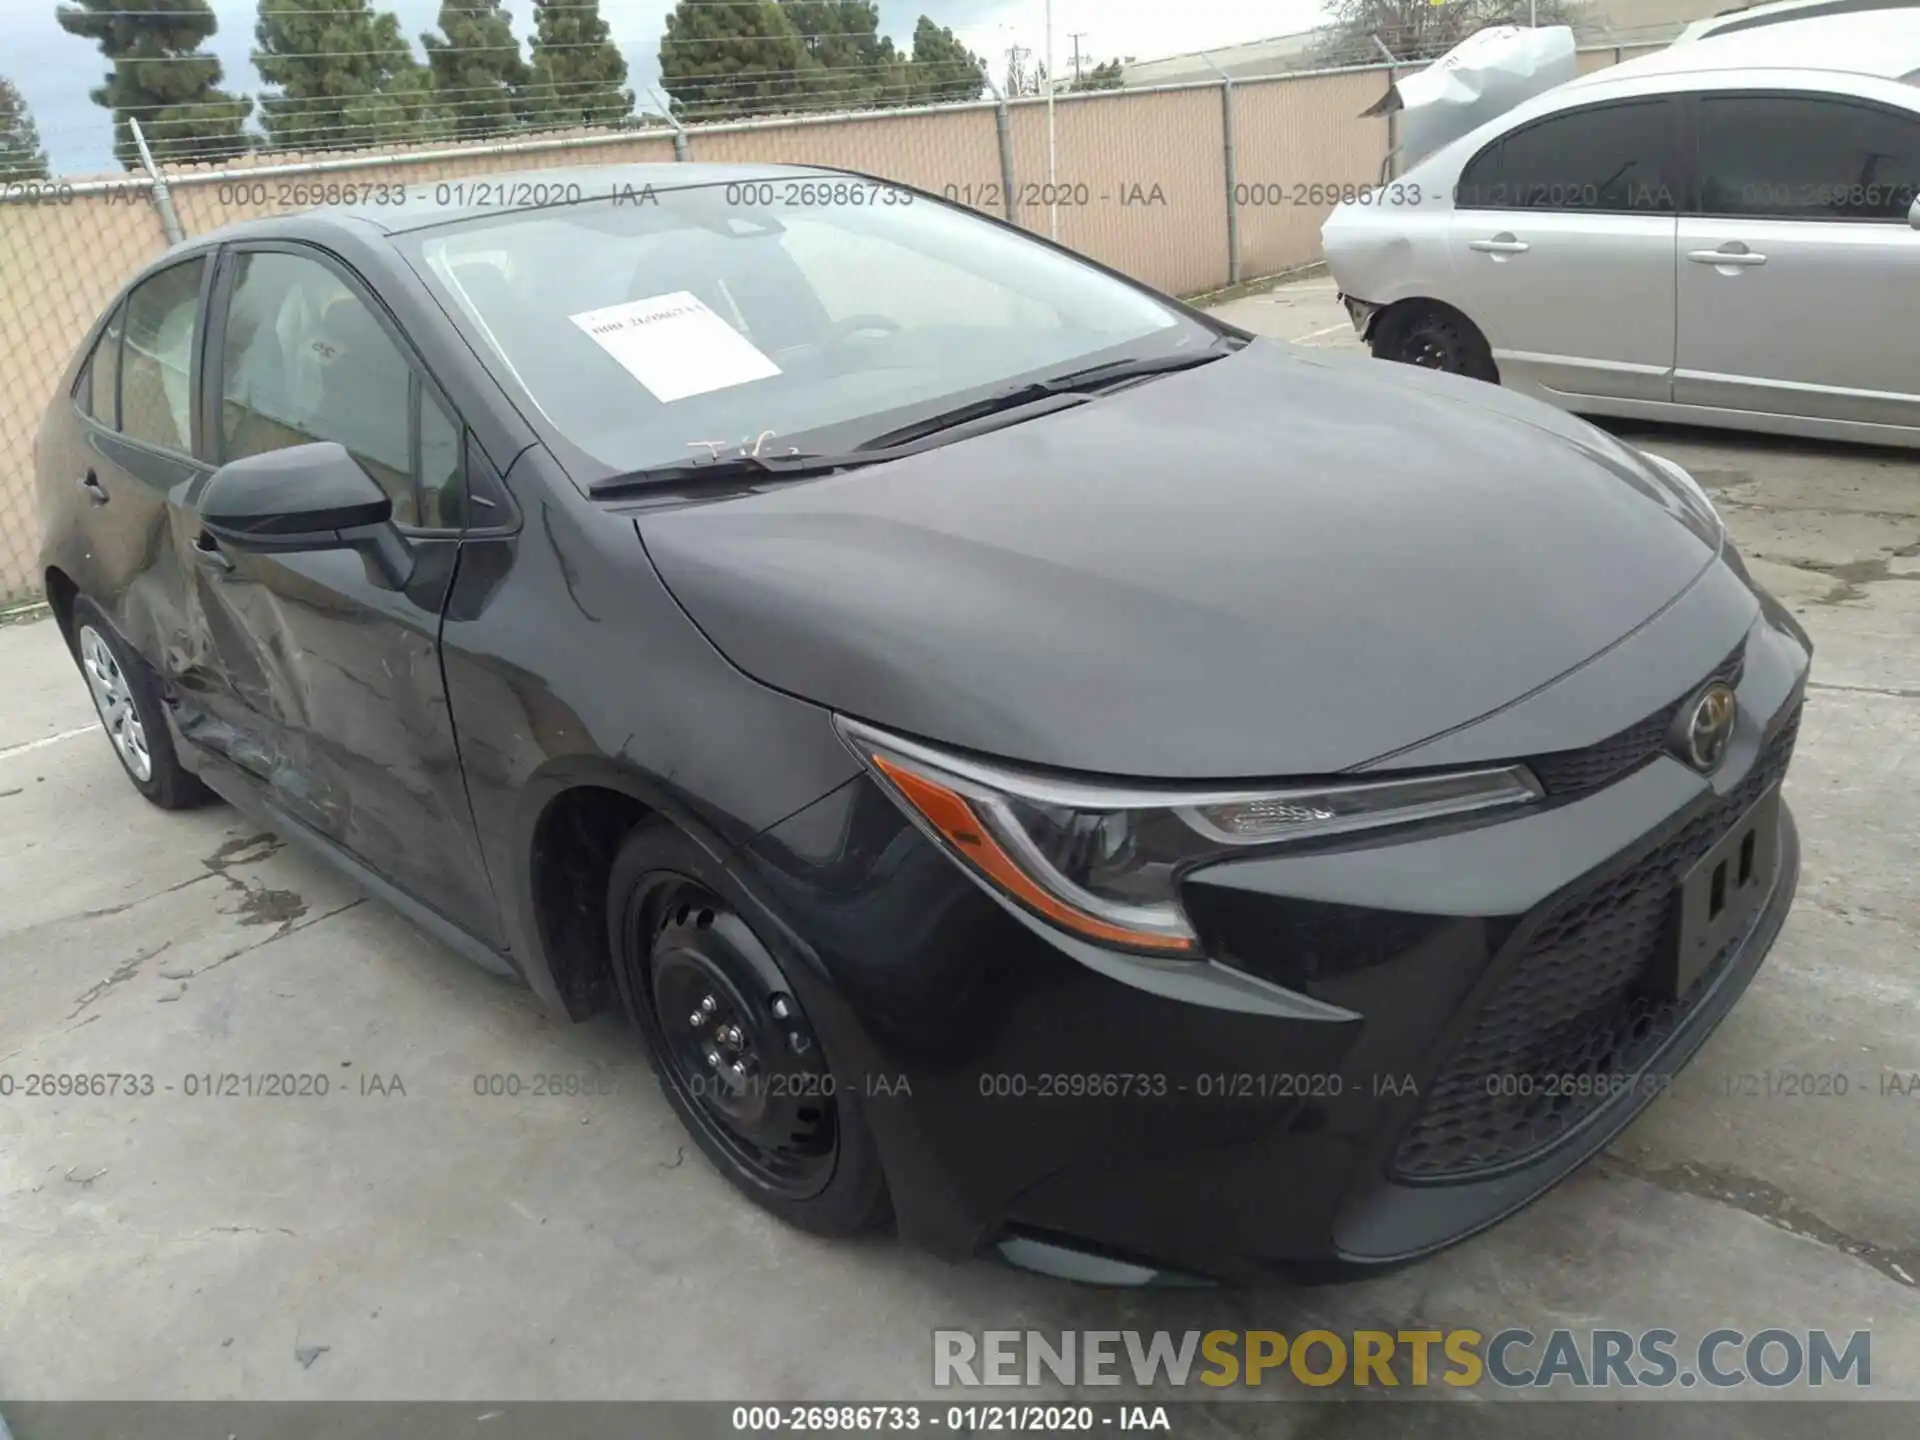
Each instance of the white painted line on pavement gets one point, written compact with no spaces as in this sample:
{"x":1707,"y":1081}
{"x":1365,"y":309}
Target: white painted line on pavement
{"x":46,"y":740}
{"x":1316,"y":334}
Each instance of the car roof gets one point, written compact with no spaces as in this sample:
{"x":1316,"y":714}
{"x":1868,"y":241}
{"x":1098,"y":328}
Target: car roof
{"x":1880,"y":43}
{"x":448,"y":199}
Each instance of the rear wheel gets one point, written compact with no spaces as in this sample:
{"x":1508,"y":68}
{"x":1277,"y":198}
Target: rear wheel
{"x":127,"y":699}
{"x":732,"y":1047}
{"x":1434,"y":337}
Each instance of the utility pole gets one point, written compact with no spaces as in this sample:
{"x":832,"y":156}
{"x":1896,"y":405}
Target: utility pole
{"x":1053,"y":210}
{"x":1076,"y":36}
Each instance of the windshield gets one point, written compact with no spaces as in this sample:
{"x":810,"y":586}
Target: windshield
{"x":692,"y":322}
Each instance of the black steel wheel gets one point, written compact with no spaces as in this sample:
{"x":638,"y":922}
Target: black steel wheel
{"x":1434,"y":337}
{"x":731,"y":1042}
{"x":743,"y":1055}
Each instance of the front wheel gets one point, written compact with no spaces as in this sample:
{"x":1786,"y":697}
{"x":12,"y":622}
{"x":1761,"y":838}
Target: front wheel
{"x":1434,"y":337}
{"x":734,"y":1050}
{"x":127,"y":700}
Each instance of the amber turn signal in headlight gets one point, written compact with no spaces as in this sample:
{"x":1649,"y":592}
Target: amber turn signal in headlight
{"x":1103,"y":862}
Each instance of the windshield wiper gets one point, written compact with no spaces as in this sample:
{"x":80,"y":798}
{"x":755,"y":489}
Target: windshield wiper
{"x":1038,"y":397}
{"x":748,"y":466}
{"x":1086,"y":381}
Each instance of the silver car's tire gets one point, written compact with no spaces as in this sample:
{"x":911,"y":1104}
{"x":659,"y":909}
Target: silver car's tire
{"x":128,"y":703}
{"x":1434,"y":337}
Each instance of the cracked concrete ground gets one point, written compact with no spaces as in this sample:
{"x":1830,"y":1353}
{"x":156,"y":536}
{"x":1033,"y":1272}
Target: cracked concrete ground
{"x":401,"y":1236}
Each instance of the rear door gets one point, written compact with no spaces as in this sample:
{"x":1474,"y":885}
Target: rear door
{"x":324,"y":684}
{"x":1562,"y":241}
{"x":136,"y":457}
{"x":1798,"y":269}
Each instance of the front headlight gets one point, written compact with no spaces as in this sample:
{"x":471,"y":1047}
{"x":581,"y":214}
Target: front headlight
{"x":1104,"y":862}
{"x":1687,"y":491}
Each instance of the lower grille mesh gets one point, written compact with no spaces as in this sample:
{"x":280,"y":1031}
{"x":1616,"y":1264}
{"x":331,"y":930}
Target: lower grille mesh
{"x":1570,"y":1007}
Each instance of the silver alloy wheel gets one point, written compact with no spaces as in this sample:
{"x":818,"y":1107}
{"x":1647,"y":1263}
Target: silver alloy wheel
{"x":114,"y":700}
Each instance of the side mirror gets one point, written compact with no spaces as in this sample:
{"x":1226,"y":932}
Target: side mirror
{"x":305,"y":498}
{"x":1913,"y":215}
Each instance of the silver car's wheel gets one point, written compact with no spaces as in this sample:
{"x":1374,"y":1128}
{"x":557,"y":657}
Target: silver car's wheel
{"x":114,"y":701}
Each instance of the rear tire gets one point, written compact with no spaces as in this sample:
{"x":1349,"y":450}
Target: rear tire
{"x":744,"y":1070}
{"x":126,"y":696}
{"x":1434,"y":337}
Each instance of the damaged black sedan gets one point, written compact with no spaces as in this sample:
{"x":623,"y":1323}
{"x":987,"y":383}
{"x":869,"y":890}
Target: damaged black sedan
{"x":1036,"y":764}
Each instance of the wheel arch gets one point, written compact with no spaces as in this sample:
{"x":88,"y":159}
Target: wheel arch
{"x":1407,"y":308}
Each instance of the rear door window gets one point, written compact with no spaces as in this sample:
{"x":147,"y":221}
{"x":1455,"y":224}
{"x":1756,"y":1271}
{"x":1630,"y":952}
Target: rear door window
{"x":1610,"y":159}
{"x":1806,"y":157}
{"x":156,"y":381}
{"x":99,"y":392}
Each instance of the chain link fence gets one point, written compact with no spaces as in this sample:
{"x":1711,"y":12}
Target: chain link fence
{"x":1143,"y":180}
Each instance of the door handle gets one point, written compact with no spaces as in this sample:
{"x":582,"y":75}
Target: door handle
{"x":1501,"y":244}
{"x":1742,"y":256}
{"x":95,"y":491}
{"x":208,"y":552}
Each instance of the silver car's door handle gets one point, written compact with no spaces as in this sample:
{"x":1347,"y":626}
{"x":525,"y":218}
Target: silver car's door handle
{"x":1725,"y":257}
{"x":1499,"y":245}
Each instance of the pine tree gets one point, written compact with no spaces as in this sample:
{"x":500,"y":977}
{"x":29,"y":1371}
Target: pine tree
{"x":720,"y":59}
{"x":578,"y":74}
{"x":852,"y":61}
{"x":478,"y":67}
{"x":21,"y":157}
{"x":332,"y":60}
{"x":161,"y":78}
{"x":945,"y":69}
{"x":407,"y":110}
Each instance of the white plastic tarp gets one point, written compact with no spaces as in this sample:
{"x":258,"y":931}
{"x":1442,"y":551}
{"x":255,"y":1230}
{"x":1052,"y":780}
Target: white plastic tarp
{"x":1486,"y":74}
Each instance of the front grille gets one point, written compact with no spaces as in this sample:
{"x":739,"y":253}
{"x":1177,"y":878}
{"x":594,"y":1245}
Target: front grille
{"x":1571,"y":1008}
{"x":1567,"y":773}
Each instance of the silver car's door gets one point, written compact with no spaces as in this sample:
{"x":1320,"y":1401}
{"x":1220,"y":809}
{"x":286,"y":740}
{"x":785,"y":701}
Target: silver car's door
{"x":1563,"y":249}
{"x":1798,"y":267}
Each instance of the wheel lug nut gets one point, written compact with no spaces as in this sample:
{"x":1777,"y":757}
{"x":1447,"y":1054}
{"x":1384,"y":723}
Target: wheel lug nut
{"x":731,"y":1035}
{"x":697,"y":1019}
{"x":739,"y":1071}
{"x":707,"y":1004}
{"x":713,"y":1059}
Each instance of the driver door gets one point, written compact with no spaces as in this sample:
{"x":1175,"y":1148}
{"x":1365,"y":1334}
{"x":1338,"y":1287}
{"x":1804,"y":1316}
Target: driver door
{"x":320,"y":682}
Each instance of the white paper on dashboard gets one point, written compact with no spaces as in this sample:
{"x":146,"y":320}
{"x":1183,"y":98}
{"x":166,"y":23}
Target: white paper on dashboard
{"x":675,"y":345}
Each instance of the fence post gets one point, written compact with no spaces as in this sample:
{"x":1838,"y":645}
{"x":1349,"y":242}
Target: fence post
{"x":162,"y":197}
{"x":1232,"y":168}
{"x":1003,"y":126}
{"x":680,"y":151}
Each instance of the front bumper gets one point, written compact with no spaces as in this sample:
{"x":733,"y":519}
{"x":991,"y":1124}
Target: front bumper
{"x":1278,"y":1110}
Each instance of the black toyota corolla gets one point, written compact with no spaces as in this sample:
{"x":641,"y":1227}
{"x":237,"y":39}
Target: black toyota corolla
{"x":1034,"y":762}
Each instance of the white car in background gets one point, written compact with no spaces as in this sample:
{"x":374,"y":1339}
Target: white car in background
{"x":1722,"y":233}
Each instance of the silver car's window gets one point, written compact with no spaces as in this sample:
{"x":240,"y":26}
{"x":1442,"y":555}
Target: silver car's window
{"x":1806,"y":157}
{"x":1616,"y":158}
{"x":156,"y":379}
{"x":701,"y":319}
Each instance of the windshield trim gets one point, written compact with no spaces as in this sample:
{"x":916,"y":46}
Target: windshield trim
{"x":585,"y":469}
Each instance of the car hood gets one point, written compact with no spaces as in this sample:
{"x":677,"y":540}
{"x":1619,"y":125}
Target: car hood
{"x":1276,"y":564}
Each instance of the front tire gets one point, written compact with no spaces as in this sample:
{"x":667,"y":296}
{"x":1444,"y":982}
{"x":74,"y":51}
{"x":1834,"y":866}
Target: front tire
{"x":1434,"y":337}
{"x":127,"y":699}
{"x":733,"y":1050}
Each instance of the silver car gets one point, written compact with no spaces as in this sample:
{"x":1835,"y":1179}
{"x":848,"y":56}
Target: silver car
{"x":1723,"y":233}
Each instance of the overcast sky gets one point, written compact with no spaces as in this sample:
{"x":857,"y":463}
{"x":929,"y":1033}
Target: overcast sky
{"x":55,"y":70}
